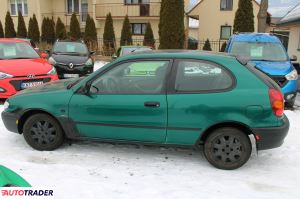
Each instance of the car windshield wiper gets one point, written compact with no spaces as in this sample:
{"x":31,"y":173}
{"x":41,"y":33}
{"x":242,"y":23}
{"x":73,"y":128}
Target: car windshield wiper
{"x":23,"y":58}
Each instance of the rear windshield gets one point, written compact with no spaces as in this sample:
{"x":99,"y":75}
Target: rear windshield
{"x":260,"y":51}
{"x":263,"y":76}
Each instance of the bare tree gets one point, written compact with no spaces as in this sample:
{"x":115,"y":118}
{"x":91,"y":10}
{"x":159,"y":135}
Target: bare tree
{"x":262,"y":16}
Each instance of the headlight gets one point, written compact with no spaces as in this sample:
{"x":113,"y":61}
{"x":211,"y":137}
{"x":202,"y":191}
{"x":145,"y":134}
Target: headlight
{"x":52,"y":71}
{"x":5,"y":105}
{"x":89,"y":62}
{"x":51,"y":61}
{"x":5,"y":75}
{"x":292,"y":75}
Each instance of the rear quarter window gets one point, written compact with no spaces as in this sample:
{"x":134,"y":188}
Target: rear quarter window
{"x":201,"y":76}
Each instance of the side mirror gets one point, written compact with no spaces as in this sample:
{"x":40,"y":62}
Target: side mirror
{"x":48,"y":51}
{"x":114,"y":56}
{"x":44,"y":55}
{"x":92,"y":53}
{"x":294,"y":58}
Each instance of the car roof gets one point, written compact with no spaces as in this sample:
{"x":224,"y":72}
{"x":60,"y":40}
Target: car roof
{"x":254,"y":37}
{"x":180,"y":54}
{"x":15,"y":40}
{"x":71,"y":41}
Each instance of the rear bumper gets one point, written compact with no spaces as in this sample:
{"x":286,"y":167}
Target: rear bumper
{"x":10,"y":121}
{"x":272,"y":137}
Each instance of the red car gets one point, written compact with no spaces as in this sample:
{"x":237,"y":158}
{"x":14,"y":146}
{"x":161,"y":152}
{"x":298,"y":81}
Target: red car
{"x":22,"y":67}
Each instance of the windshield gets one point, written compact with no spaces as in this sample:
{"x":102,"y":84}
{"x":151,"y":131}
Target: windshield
{"x":15,"y":50}
{"x":260,"y":51}
{"x":127,"y":51}
{"x":70,"y":48}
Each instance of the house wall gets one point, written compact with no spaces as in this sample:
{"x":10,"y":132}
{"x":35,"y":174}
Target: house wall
{"x":294,"y":41}
{"x":211,"y":18}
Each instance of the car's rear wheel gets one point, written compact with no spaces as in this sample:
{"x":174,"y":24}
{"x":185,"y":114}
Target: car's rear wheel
{"x":227,"y":148}
{"x":43,"y":133}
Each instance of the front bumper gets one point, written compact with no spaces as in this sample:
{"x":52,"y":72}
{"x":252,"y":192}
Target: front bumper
{"x":10,"y":121}
{"x":13,"y":85}
{"x":273,"y":137}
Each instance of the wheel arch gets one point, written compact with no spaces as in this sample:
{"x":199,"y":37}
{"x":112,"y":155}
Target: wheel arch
{"x":233,"y":124}
{"x":31,"y":112}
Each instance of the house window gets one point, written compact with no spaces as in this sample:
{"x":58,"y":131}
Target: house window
{"x":78,"y":7}
{"x":225,"y":32}
{"x":18,"y":5}
{"x":138,"y":28}
{"x":128,"y":2}
{"x":226,"y":4}
{"x":73,"y":6}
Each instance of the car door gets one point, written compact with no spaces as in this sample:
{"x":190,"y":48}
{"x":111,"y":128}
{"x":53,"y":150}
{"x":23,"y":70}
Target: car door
{"x":126,"y":102}
{"x":195,"y":97}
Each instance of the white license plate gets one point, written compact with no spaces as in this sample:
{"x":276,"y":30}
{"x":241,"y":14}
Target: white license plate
{"x":30,"y":84}
{"x":71,"y":75}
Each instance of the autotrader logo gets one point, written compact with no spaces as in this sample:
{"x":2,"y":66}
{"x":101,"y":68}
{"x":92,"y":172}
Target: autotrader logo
{"x":18,"y":192}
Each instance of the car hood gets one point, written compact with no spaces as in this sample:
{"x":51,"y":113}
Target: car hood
{"x":274,"y":68}
{"x":67,"y":59}
{"x":48,"y":87}
{"x":8,"y":177}
{"x":24,"y":67}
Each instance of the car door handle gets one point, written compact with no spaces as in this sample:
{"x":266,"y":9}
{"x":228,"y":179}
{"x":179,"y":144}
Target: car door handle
{"x":152,"y":104}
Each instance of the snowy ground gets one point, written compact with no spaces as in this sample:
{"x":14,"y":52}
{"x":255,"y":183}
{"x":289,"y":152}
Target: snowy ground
{"x":94,"y":170}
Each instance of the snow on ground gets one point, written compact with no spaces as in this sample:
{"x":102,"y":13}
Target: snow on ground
{"x":94,"y":170}
{"x":99,"y":64}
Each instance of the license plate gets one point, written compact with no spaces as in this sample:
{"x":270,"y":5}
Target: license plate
{"x":30,"y":84}
{"x":71,"y":75}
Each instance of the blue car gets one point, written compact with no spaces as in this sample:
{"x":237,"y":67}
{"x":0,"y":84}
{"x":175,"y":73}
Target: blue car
{"x":267,"y":54}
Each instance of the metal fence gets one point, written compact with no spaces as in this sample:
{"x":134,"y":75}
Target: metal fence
{"x":102,"y":48}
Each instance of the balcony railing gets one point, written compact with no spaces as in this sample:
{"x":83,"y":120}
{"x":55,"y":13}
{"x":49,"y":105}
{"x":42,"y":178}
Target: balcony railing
{"x":135,"y":10}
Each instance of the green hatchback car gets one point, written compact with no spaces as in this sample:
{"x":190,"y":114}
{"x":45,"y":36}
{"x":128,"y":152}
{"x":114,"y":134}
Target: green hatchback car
{"x":8,"y":178}
{"x":186,"y":99}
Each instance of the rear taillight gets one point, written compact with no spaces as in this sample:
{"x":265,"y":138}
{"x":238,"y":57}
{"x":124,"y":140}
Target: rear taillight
{"x":277,"y":102}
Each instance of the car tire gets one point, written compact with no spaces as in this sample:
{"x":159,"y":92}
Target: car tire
{"x":227,"y":148}
{"x":42,"y":132}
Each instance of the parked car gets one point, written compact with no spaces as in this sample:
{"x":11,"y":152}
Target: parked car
{"x":8,"y":178}
{"x":126,"y":50}
{"x":22,"y":67}
{"x":71,"y":59}
{"x":268,"y":55}
{"x":191,"y":99}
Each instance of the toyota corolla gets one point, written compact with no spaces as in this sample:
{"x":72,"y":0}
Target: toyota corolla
{"x":164,"y":98}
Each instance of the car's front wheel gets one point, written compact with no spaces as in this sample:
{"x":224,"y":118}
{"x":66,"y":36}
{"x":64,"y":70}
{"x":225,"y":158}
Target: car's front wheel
{"x":43,"y":133}
{"x":227,"y":148}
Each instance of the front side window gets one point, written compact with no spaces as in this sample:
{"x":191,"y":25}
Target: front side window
{"x":260,"y":51}
{"x":139,"y":77}
{"x":200,"y":76}
{"x":226,"y":4}
{"x":225,"y":32}
{"x":18,"y":5}
{"x":138,"y":28}
{"x":10,"y":50}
